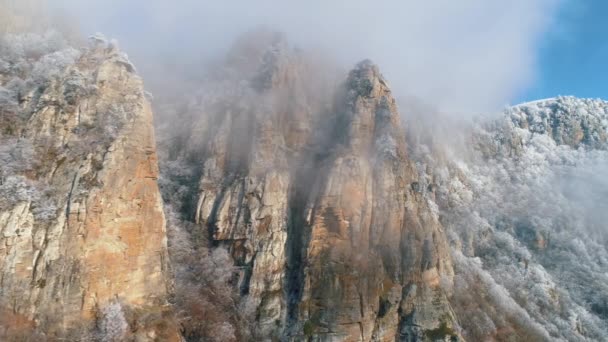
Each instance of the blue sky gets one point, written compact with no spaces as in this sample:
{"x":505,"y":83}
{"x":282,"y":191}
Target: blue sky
{"x":573,"y":58}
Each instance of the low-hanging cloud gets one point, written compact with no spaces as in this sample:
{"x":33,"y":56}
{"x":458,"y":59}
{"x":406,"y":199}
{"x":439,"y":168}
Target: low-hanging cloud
{"x":462,"y":56}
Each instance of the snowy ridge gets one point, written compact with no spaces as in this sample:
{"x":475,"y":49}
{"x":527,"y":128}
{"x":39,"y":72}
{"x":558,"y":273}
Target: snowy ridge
{"x":528,"y":223}
{"x":538,"y":207}
{"x":525,"y":104}
{"x":568,"y":120}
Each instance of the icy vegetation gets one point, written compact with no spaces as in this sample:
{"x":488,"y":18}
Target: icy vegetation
{"x":527,"y":216}
{"x":113,"y":324}
{"x":28,"y":62}
{"x":34,"y":67}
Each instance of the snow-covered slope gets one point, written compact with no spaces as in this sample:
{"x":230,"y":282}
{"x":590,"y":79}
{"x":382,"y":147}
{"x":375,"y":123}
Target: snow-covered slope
{"x":528,"y":219}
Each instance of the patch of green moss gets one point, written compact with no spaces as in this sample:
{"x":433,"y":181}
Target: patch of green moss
{"x":309,"y":328}
{"x":440,"y":333}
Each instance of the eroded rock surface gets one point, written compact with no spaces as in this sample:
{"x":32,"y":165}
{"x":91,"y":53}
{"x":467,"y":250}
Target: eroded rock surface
{"x":376,"y":250}
{"x":316,"y":199}
{"x":81,"y":221}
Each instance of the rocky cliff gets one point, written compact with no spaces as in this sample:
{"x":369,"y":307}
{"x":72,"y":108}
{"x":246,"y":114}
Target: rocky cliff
{"x":82,"y":227}
{"x":376,"y":250}
{"x":311,"y":189}
{"x":297,"y":205}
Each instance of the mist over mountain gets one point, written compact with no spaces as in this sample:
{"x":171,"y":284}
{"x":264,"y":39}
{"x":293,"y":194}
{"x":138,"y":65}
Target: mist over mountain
{"x":278,"y":185}
{"x":468,"y":58}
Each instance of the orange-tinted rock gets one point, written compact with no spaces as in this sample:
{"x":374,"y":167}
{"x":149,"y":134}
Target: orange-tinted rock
{"x":315,"y":201}
{"x":106,"y":241}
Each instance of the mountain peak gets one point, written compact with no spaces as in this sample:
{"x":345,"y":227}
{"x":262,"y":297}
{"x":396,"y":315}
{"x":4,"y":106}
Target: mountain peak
{"x":366,"y":80}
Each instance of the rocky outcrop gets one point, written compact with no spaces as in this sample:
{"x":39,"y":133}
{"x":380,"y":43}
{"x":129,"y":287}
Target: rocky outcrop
{"x":316,"y":199}
{"x":376,"y":251}
{"x":244,"y":190}
{"x":90,"y":229}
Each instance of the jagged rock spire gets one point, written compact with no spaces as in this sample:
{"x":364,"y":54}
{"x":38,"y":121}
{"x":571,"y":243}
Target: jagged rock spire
{"x":329,"y":232}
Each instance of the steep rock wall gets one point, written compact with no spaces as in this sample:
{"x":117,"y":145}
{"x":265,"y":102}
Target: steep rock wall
{"x":376,"y":250}
{"x":101,"y":237}
{"x":316,"y":199}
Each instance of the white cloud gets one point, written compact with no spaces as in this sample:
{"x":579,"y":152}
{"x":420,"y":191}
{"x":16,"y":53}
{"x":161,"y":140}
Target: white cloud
{"x":466,"y":55}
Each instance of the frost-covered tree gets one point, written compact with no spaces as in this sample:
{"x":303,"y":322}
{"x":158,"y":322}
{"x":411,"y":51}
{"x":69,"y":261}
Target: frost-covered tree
{"x":527,"y":218}
{"x":53,"y":64}
{"x":113,"y":326}
{"x":16,"y":157}
{"x":209,"y":308}
{"x":9,"y":112}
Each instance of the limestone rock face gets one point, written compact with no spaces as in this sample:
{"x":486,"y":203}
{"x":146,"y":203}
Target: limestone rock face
{"x":245,"y":186}
{"x":86,"y":226}
{"x":376,"y":251}
{"x":315,"y":197}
